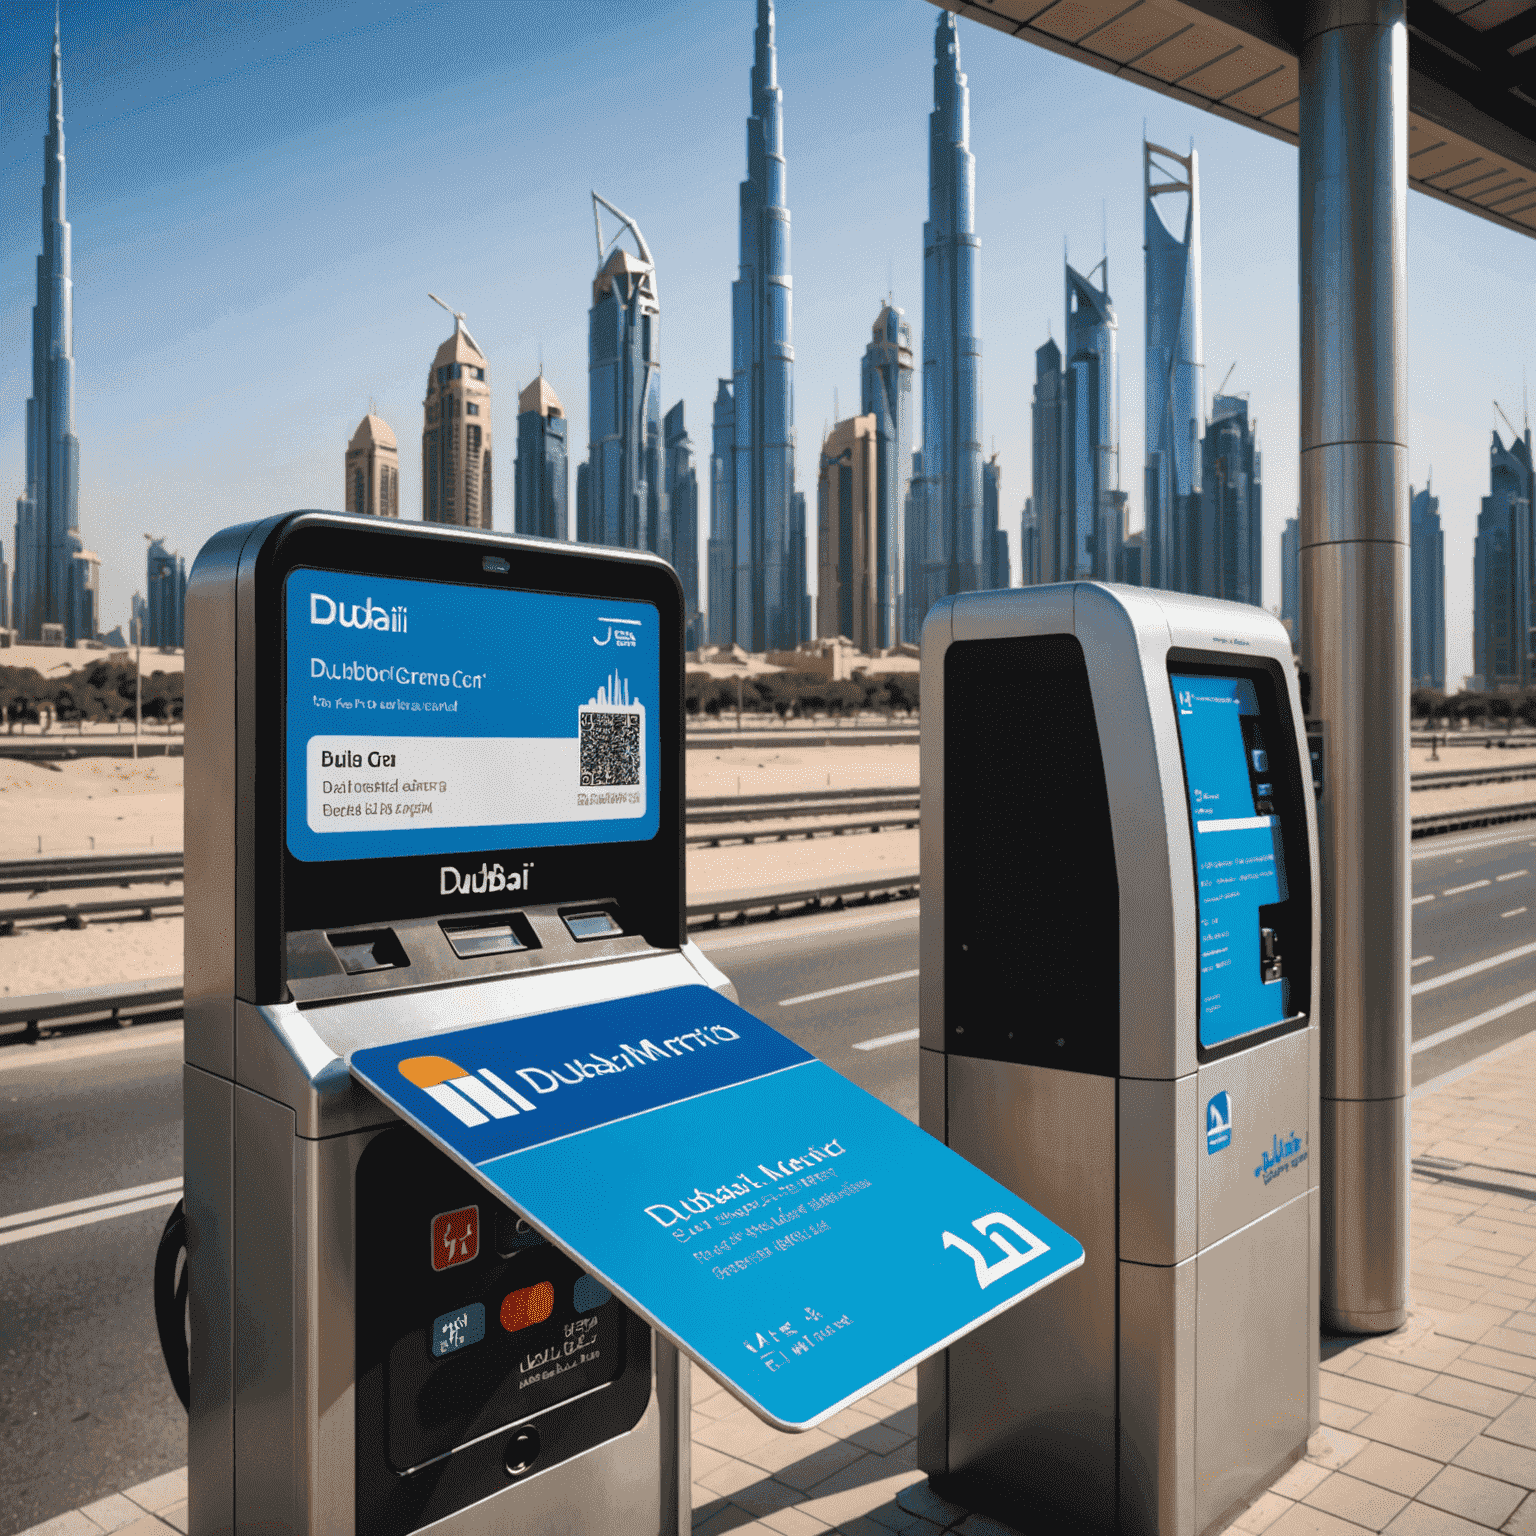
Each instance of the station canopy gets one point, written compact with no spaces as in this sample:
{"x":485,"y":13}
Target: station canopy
{"x":1471,"y":77}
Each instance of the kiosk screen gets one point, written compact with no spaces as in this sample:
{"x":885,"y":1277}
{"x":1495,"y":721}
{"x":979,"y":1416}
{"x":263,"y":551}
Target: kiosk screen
{"x":1239,"y":858}
{"x":425,"y":717}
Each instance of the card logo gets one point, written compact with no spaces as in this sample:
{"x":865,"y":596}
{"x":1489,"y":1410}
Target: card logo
{"x":986,"y":1273}
{"x":469,"y":1098}
{"x":1218,"y":1123}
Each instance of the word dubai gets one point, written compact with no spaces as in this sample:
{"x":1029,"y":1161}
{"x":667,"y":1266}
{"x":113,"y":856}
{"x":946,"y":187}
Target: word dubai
{"x":728,"y":1193}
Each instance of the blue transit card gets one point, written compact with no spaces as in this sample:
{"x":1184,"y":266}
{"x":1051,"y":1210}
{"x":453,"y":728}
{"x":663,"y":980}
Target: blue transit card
{"x":800,"y":1240}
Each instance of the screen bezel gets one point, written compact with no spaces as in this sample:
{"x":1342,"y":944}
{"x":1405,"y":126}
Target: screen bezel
{"x":1269,"y":684}
{"x":645,"y":877}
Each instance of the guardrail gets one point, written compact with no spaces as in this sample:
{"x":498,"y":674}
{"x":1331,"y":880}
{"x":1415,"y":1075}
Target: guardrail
{"x":1469,"y":821}
{"x":817,"y":829}
{"x":1456,"y":778}
{"x":63,"y":749}
{"x":121,"y":1002}
{"x":75,"y":913}
{"x":804,"y":899}
{"x":82,"y":871}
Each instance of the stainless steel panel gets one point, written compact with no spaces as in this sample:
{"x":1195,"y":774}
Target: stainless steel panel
{"x":1359,"y":491}
{"x":1314,"y":1292}
{"x":937,"y":633}
{"x":1157,"y":1399}
{"x":1266,"y":1162}
{"x":1032,"y":1394}
{"x":672,"y":1401}
{"x":267,"y":1402}
{"x":932,"y":1099}
{"x":1256,"y":1355}
{"x":1365,"y":1180}
{"x":208,"y":1152}
{"x":1002,"y":615}
{"x":1159,"y":1141}
{"x":933,"y":1373}
{"x":709,"y":973}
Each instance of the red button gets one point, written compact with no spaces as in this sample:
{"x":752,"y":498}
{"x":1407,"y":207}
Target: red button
{"x":455,"y":1237}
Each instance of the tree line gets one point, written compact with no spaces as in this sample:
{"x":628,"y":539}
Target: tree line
{"x":1432,"y":709}
{"x":101,"y":690}
{"x":794,"y":693}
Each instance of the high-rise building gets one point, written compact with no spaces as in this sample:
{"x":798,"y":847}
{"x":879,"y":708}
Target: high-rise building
{"x":886,"y":394}
{"x":994,"y":535}
{"x":955,"y":556}
{"x":1501,"y":565}
{"x":1175,"y":384}
{"x":456,"y":436}
{"x":848,"y":533}
{"x":84,"y":615}
{"x":623,"y":481}
{"x":165,"y":610}
{"x":373,"y":469}
{"x":765,"y":605}
{"x":5,"y":596}
{"x":541,"y":479}
{"x":1290,"y":580}
{"x":799,"y":565}
{"x":720,"y":596}
{"x":915,"y":542}
{"x":1029,"y":545}
{"x":1133,"y":560}
{"x":1426,"y":590}
{"x":680,"y":480}
{"x":1048,"y":414}
{"x":47,"y":512}
{"x":1093,"y":521}
{"x":1230,"y":541}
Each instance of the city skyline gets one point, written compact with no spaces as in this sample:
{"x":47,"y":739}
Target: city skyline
{"x":867,"y":249}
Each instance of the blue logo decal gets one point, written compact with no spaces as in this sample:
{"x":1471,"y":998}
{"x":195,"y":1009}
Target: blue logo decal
{"x":456,"y":1330}
{"x":1284,"y":1154}
{"x":1218,"y":1123}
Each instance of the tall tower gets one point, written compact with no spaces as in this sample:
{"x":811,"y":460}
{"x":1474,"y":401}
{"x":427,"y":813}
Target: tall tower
{"x":1426,"y":588}
{"x":623,"y":481}
{"x":956,"y":559}
{"x":847,"y":520}
{"x":373,"y":469}
{"x":48,"y":510}
{"x":887,"y":396}
{"x":680,"y":483}
{"x":1231,"y":522}
{"x":456,"y":438}
{"x":767,"y":597}
{"x":1501,"y":593}
{"x":1093,"y":503}
{"x":1048,"y":413}
{"x":541,"y":480}
{"x":1175,"y":386}
{"x":720,"y":598}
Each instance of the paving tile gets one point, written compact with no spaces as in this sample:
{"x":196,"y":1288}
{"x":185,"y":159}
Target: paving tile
{"x":1517,"y":1424}
{"x":737,"y":1435}
{"x":1523,"y":1521}
{"x":1512,"y":1341}
{"x":1353,"y":1393}
{"x":1502,"y":1359}
{"x":176,"y":1517}
{"x":880,"y":1438}
{"x":859,"y":1487}
{"x":920,"y":1499}
{"x":766,"y":1496}
{"x":1300,"y":1478}
{"x":1467,"y":1394}
{"x":112,"y":1513}
{"x":729,"y":1478}
{"x":146,"y":1525}
{"x":785,"y":1450}
{"x":1337,"y":1416}
{"x":1490,"y":1376}
{"x":161,"y":1492}
{"x":1472,"y":1496}
{"x":889,"y":1517}
{"x":1421,"y":1520}
{"x":704,"y":1457}
{"x":1425,"y":1428}
{"x":1304,"y":1520}
{"x":727,"y":1519}
{"x":1333,"y":1448}
{"x":1350,"y":1499}
{"x":1388,"y":1467}
{"x":792,"y":1522}
{"x":1261,"y":1514}
{"x":71,"y":1524}
{"x":984,"y":1525}
{"x":816,"y":1468}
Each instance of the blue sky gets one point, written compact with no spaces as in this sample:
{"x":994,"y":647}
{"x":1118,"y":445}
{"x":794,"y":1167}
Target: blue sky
{"x":262,"y":194}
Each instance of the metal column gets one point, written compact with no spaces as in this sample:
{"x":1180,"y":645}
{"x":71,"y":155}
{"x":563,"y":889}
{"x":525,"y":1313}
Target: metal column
{"x":1353,"y":185}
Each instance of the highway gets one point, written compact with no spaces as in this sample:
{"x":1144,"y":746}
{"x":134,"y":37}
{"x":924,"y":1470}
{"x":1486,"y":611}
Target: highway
{"x":84,"y":1400}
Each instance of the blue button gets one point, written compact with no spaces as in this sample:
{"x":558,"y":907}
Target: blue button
{"x":1260,"y":760}
{"x":457,"y":1330}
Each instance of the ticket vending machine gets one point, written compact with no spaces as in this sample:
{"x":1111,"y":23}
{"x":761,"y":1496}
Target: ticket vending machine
{"x":1119,"y":1023}
{"x":477,"y":1144}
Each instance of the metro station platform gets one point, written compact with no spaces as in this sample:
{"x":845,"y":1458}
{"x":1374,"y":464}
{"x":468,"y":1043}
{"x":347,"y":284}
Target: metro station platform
{"x":1427,"y":1432}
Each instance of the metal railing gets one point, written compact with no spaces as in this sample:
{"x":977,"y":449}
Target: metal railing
{"x":121,"y":1003}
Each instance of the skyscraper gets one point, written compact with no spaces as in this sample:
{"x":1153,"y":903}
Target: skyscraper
{"x":1501,"y":566}
{"x":48,"y":510}
{"x":1426,"y":590}
{"x":373,"y":469}
{"x":541,"y":480}
{"x":167,"y":587}
{"x":1048,"y":413}
{"x":1093,"y":508}
{"x":1229,"y":547}
{"x":722,"y":528}
{"x":1290,"y":580}
{"x":848,"y":533}
{"x":1175,"y":385}
{"x":886,"y":394}
{"x":765,"y":606}
{"x":624,"y":395}
{"x":681,"y":500}
{"x":994,"y":535}
{"x":456,"y":435}
{"x":956,"y":557}
{"x":1029,"y":545}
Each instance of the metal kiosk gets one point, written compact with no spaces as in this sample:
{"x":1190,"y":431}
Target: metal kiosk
{"x":1119,"y":1023}
{"x":358,"y":1304}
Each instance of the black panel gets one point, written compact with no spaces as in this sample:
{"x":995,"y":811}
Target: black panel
{"x":438,"y":1431}
{"x":1031,"y":895}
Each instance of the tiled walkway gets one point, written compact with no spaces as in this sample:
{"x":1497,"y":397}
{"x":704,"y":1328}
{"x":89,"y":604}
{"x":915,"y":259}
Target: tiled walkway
{"x":1428,"y":1432}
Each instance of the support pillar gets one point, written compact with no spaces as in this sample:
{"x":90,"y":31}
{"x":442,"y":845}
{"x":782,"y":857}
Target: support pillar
{"x":1353,"y":187}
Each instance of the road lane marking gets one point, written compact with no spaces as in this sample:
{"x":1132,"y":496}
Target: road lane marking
{"x":1419,"y":901}
{"x":1514,"y":874}
{"x":852,"y":986}
{"x":1476,"y":1022}
{"x":881,"y":1041}
{"x":85,"y":1218}
{"x":1423,"y":960}
{"x":1474,"y":969}
{"x":1513,"y":912}
{"x":69,"y":1207}
{"x":1476,"y":885}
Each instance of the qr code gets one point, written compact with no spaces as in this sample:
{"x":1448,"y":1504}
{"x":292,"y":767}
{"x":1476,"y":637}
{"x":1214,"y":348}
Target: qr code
{"x":610,"y":747}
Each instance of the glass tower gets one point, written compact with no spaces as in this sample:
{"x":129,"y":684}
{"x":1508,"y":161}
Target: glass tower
{"x":681,"y":499}
{"x":1175,"y":402}
{"x":1426,"y":588}
{"x":541,"y":478}
{"x":48,"y":510}
{"x":1231,"y":523}
{"x":1501,"y":568}
{"x":886,"y":395}
{"x":720,"y":596}
{"x":955,"y":557}
{"x":1290,"y":579}
{"x":1092,"y":504}
{"x":1047,"y":411}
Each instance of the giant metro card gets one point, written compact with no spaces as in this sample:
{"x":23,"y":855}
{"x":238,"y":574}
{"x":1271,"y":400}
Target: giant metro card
{"x":798,"y":1238}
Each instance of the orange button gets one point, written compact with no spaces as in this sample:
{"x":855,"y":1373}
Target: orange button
{"x":524,"y":1308}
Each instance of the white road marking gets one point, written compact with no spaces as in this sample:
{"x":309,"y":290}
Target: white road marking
{"x":1476,"y":1022}
{"x":1514,"y":874}
{"x":881,"y":1041}
{"x":1422,"y":960}
{"x":69,"y":1207}
{"x":1513,"y":912}
{"x":852,"y":986}
{"x":168,"y":1193}
{"x":1476,"y":885}
{"x":1473,"y":969}
{"x":1419,"y":901}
